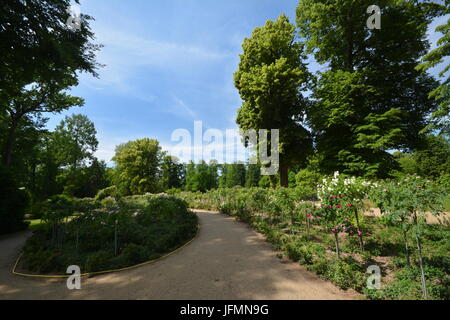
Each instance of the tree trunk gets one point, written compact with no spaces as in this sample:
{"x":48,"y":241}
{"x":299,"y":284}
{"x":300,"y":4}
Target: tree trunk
{"x":284,"y":175}
{"x":9,"y":143}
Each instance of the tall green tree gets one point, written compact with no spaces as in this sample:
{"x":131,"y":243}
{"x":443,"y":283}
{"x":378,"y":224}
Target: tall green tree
{"x":172,"y":173}
{"x":75,"y":140}
{"x":235,"y":175}
{"x":270,"y":79}
{"x":440,"y":118}
{"x":138,"y":166}
{"x":253,"y":175}
{"x":201,"y":177}
{"x":41,"y":58}
{"x":370,"y":98}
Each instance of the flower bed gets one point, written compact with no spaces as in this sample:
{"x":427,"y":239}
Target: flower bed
{"x":109,"y":234}
{"x":336,"y":241}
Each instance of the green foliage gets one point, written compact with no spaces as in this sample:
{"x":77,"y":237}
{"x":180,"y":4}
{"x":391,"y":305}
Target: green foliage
{"x":107,"y":192}
{"x":13,"y":203}
{"x":347,"y":273}
{"x":357,"y":118}
{"x":74,"y":140}
{"x":233,"y":175}
{"x":307,"y":181}
{"x":201,"y":177}
{"x":301,"y":230}
{"x":433,"y":159}
{"x":270,"y":79}
{"x":442,"y":93}
{"x":146,"y":228}
{"x":138,"y":166}
{"x":172,"y":173}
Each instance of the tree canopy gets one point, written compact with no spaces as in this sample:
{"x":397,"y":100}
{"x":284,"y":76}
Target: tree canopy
{"x":271,"y":76}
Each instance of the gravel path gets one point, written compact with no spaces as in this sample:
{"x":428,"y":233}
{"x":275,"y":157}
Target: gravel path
{"x":228,"y":260}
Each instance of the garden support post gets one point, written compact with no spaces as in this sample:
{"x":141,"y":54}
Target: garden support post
{"x":336,"y":238}
{"x":419,"y":248}
{"x":422,"y":272}
{"x":405,"y":237}
{"x":76,"y":246}
{"x":307,"y":225}
{"x":361,"y":242}
{"x":115,"y":239}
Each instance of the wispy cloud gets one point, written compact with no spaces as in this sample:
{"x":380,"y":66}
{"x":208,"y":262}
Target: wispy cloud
{"x":182,"y":109}
{"x":125,"y":54}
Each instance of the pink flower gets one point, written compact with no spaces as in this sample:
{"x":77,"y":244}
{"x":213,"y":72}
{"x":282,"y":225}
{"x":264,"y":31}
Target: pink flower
{"x":334,"y":230}
{"x":350,"y":205}
{"x":338,"y":206}
{"x":359,"y":233}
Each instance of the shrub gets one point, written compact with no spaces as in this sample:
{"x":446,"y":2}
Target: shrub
{"x":300,"y":253}
{"x":346,"y":273}
{"x":13,"y":202}
{"x":107,"y":192}
{"x":119,"y":234}
{"x":98,"y":261}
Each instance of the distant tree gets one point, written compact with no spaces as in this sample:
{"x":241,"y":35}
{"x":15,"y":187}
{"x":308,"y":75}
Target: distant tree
{"x":235,"y":175}
{"x":433,"y":159}
{"x":75,"y":140}
{"x":253,"y":175}
{"x":83,"y":181}
{"x":138,"y":166}
{"x":172,"y":173}
{"x":191,"y":177}
{"x":201,"y":177}
{"x":406,"y":162}
{"x":270,"y":79}
{"x":213,"y":168}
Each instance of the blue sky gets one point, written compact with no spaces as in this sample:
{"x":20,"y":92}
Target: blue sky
{"x":168,"y":63}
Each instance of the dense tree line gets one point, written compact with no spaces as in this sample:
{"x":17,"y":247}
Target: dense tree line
{"x":372,"y":95}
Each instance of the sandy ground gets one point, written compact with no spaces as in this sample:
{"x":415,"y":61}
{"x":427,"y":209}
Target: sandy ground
{"x":228,"y":260}
{"x":443,"y":218}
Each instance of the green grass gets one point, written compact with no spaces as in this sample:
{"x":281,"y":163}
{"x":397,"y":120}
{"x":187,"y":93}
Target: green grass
{"x":447,"y":204}
{"x":34,"y":224}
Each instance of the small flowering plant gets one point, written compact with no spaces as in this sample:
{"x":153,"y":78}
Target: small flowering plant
{"x":341,"y":198}
{"x":405,"y":203}
{"x":309,"y":213}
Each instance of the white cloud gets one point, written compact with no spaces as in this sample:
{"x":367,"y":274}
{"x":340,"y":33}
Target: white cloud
{"x":126,"y":54}
{"x":181,"y":109}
